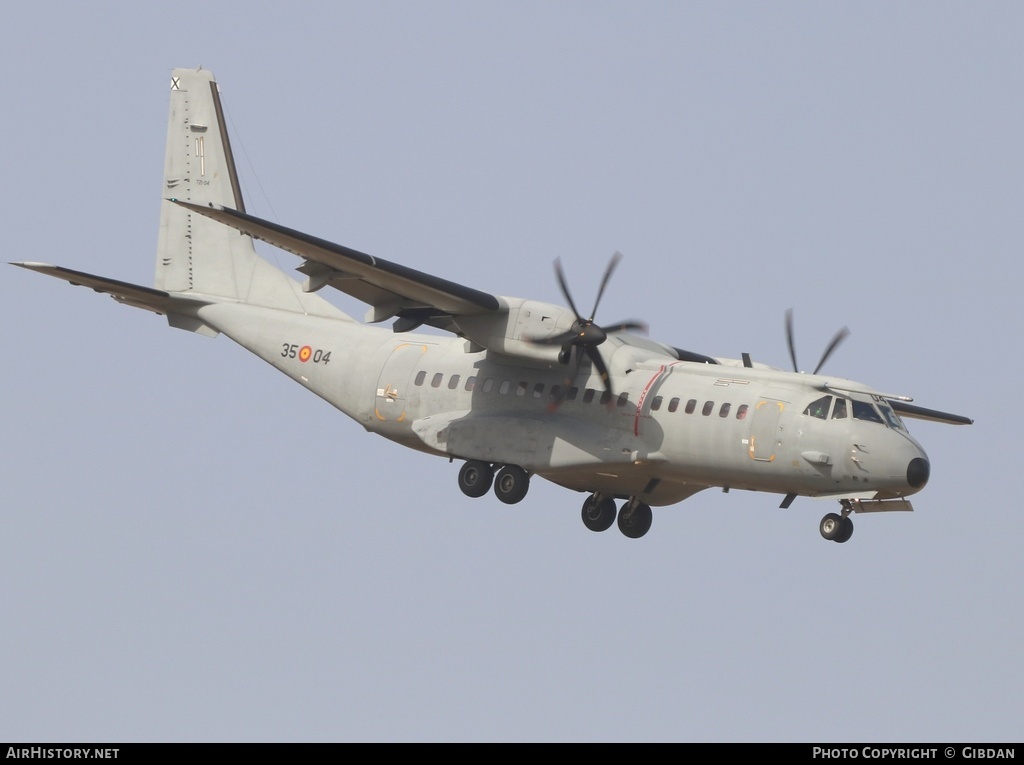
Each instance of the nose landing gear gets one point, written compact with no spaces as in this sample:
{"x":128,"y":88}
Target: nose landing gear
{"x":837,"y":528}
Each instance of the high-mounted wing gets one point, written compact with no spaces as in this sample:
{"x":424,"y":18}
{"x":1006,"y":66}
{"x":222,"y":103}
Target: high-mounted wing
{"x":932,"y":415}
{"x":391,"y":289}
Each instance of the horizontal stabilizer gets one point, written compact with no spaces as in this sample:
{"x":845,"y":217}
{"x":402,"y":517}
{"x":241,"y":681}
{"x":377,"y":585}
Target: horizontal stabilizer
{"x":135,"y":295}
{"x":389,"y":287}
{"x":177,"y":308}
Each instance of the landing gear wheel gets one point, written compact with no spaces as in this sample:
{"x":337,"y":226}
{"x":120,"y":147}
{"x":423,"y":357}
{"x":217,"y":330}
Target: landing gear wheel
{"x":845,"y":529}
{"x":598,"y":514}
{"x":831,"y":527}
{"x":475,"y":478}
{"x":635,"y":519}
{"x":511,"y":484}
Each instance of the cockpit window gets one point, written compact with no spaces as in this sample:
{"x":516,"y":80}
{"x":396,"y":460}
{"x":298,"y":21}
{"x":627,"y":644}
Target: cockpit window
{"x":862,"y":410}
{"x":839,"y":413}
{"x":892,"y":418}
{"x":819,"y":408}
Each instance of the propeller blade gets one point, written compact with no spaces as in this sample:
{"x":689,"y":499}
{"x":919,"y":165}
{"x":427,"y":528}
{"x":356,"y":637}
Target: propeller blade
{"x":565,"y":288}
{"x":626,"y":326}
{"x":601,"y":367}
{"x":840,"y":336}
{"x":562,"y":338}
{"x":566,"y":383}
{"x":604,"y":281}
{"x":789,"y":338}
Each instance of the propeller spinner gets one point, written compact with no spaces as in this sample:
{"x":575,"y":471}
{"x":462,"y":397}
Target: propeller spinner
{"x":585,"y":335}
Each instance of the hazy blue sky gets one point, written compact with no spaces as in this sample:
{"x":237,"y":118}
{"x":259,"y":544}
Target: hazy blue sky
{"x":193,"y":548}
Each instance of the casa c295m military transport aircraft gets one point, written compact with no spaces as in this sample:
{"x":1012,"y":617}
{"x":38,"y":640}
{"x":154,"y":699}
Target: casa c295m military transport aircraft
{"x":521,"y":388}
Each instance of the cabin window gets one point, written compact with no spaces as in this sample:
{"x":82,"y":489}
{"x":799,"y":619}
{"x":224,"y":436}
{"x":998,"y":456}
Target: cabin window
{"x":673,"y":405}
{"x":420,"y":377}
{"x":819,"y":407}
{"x":504,"y":387}
{"x":839,"y":412}
{"x":471,"y":382}
{"x":862,"y":410}
{"x":709,"y":407}
{"x":606,"y":397}
{"x":538,"y":390}
{"x":724,"y":411}
{"x":573,"y":392}
{"x":556,"y":391}
{"x":691,"y":405}
{"x":623,"y":398}
{"x":588,"y":395}
{"x":436,"y":382}
{"x":741,"y":413}
{"x":656,"y":404}
{"x":454,"y":382}
{"x":488,"y":385}
{"x":521,"y":388}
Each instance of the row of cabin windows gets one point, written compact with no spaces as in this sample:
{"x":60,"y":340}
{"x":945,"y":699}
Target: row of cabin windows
{"x":589,"y":394}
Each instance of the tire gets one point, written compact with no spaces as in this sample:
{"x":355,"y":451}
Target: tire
{"x":635,"y":522}
{"x":598,"y":515}
{"x":511,"y":484}
{"x":845,"y":530}
{"x":475,"y":478}
{"x":831,"y":526}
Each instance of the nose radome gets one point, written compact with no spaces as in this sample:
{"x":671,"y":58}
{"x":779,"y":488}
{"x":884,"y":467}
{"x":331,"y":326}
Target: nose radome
{"x":917,"y":472}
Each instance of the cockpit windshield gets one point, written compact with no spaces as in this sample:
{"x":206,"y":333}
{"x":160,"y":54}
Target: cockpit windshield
{"x":841,"y":408}
{"x":892,"y":418}
{"x":819,"y":408}
{"x":862,"y":410}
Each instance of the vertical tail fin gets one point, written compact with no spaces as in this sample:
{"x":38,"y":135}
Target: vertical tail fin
{"x":196,"y":254}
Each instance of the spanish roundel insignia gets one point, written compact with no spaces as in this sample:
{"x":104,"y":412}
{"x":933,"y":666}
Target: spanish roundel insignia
{"x":305,"y":352}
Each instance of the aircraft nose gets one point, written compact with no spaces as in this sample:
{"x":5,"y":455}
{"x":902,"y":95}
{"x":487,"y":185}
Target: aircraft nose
{"x":917,"y":472}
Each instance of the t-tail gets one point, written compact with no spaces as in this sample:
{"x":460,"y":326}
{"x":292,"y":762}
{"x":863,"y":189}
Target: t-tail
{"x":198,"y":255}
{"x":200,"y":261}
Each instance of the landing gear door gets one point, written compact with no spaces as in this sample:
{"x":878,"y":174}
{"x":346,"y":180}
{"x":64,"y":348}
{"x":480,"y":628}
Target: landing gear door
{"x":395,"y":379}
{"x":764,"y":429}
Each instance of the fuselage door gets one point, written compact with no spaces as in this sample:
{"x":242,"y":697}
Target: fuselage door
{"x":395,"y":379}
{"x":764,"y":428}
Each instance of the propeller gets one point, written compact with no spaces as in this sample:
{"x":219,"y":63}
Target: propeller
{"x":836,"y":340}
{"x":585,"y":335}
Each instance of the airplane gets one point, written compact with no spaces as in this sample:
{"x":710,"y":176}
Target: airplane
{"x":511,"y":388}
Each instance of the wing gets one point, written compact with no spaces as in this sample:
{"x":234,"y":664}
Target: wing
{"x":389,"y":288}
{"x":933,"y":415}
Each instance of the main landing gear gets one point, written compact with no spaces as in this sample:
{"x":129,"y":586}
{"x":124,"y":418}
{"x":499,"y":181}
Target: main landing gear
{"x":634,"y":518}
{"x":837,"y":528}
{"x":511,"y":483}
